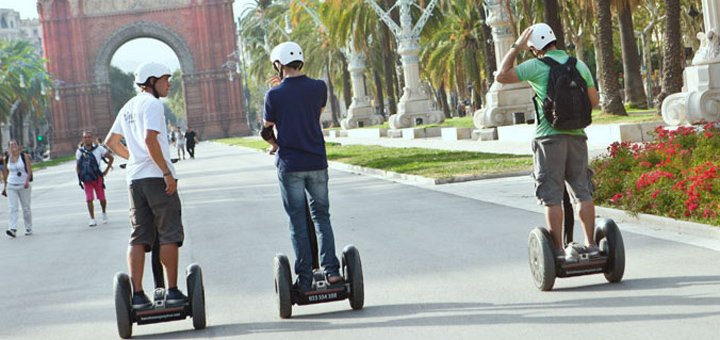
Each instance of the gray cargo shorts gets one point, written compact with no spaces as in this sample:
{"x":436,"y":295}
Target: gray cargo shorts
{"x":559,"y":160}
{"x":153,"y":214}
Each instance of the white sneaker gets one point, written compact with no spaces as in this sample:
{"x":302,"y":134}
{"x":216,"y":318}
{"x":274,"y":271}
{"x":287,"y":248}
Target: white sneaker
{"x":28,"y":232}
{"x":92,"y":223}
{"x":104,"y":218}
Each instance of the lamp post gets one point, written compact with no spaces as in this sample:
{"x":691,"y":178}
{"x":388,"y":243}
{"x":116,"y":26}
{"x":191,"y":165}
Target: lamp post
{"x":502,"y":99}
{"x":701,"y":102}
{"x":415,"y":106}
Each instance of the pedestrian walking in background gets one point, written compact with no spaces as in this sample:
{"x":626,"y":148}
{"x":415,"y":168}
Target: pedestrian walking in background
{"x":90,"y":177}
{"x":17,"y":175}
{"x":190,"y":140}
{"x":180,"y":143}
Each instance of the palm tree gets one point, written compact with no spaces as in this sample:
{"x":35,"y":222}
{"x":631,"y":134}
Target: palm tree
{"x":634,"y":92}
{"x":672,"y":81}
{"x":551,"y":14}
{"x":612,"y":102}
{"x":23,"y":84}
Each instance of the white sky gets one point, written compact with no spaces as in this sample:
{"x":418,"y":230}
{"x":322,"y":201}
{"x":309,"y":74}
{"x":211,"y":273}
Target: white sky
{"x":128,"y":56}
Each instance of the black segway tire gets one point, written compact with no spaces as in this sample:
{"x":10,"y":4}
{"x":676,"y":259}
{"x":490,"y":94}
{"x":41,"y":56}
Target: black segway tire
{"x":283,"y":285}
{"x":196,"y":294}
{"x":542,"y":259}
{"x":123,"y":304}
{"x":610,"y":242}
{"x":352,"y":270}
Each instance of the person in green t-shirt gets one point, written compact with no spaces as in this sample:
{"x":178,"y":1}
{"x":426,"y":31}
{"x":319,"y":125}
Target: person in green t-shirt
{"x":560,"y":156}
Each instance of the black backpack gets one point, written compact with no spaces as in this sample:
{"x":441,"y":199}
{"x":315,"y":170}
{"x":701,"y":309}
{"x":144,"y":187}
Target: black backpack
{"x":88,"y":165}
{"x":567,"y":105}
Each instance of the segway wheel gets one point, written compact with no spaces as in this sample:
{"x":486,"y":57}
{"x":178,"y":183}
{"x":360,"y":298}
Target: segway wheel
{"x":196,"y":292}
{"x":610,"y":241}
{"x":123,"y":304}
{"x":352,"y":270}
{"x":542,"y":259}
{"x":283,"y":285}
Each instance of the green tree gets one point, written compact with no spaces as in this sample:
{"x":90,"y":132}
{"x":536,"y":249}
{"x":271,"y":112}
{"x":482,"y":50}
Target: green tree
{"x":175,"y":99}
{"x":23,"y":85}
{"x":122,"y":88}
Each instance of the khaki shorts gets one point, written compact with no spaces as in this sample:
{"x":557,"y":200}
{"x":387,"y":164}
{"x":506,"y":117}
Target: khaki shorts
{"x":560,"y":160}
{"x":153,"y":214}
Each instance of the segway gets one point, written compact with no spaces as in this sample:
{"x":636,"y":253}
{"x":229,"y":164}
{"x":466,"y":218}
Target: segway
{"x":545,"y":266}
{"x":322,"y":291}
{"x":160,"y":310}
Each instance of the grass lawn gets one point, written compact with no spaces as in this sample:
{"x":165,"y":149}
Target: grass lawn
{"x":55,"y":161}
{"x":414,"y":161}
{"x":634,"y":116}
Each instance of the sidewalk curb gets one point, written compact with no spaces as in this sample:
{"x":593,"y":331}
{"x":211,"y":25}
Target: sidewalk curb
{"x":667,"y":224}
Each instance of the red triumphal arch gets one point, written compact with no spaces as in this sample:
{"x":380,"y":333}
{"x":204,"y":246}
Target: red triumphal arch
{"x":81,"y":36}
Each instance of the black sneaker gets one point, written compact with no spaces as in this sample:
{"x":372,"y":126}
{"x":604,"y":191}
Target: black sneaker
{"x":140,"y":300}
{"x":11,"y":232}
{"x":175,"y":297}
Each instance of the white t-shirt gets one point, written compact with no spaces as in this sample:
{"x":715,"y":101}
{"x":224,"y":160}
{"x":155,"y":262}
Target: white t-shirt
{"x":98,"y":152}
{"x":179,"y":138}
{"x":141,"y":113}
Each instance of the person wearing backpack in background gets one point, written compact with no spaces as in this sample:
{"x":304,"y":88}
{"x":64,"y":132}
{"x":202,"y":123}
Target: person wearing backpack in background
{"x":90,"y":177}
{"x":17,"y":175}
{"x":564,"y":96}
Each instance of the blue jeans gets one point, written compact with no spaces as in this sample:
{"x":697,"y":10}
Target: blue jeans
{"x":293,"y":186}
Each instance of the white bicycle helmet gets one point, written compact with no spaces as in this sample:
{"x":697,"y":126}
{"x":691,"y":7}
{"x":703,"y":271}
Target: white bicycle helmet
{"x":287,"y":52}
{"x":542,"y":34}
{"x":151,"y":69}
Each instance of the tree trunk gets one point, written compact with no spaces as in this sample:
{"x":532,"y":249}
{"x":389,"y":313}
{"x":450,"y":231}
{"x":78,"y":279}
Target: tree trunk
{"x":333,"y":99}
{"x":672,"y":81}
{"x":613,"y":102}
{"x":552,"y":18}
{"x":443,"y":100}
{"x":380,"y":99}
{"x":347,"y":86}
{"x":389,"y":69}
{"x":634,"y":92}
{"x":488,"y":48}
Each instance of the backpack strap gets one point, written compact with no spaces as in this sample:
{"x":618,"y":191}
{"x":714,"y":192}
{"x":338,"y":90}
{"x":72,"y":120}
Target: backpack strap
{"x":549,"y":61}
{"x":571,"y":61}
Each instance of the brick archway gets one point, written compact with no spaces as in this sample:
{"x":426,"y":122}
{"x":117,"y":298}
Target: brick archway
{"x":81,"y":36}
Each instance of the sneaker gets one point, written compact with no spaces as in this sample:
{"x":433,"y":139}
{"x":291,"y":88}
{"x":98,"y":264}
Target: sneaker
{"x":592,"y":250}
{"x":92,"y":223}
{"x":11,"y":232}
{"x":28,"y":232}
{"x":175,"y":297}
{"x":571,"y":253}
{"x":140,"y":300}
{"x":334,"y":279}
{"x":104,"y":218}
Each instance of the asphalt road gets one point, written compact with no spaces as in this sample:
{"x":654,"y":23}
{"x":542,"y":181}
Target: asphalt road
{"x":437,"y":265}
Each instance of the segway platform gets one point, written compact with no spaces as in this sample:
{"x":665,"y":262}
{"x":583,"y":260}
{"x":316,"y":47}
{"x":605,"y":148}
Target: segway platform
{"x":322,"y":291}
{"x":160,"y":310}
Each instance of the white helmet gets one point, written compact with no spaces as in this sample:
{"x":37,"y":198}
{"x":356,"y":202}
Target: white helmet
{"x":286,"y":53}
{"x":151,"y":69}
{"x":542,"y":34}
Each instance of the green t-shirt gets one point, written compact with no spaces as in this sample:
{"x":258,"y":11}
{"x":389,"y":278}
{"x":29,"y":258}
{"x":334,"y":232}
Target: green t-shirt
{"x":536,"y":73}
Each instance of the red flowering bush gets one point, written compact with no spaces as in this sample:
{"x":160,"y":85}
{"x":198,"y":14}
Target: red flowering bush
{"x":677,"y":176}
